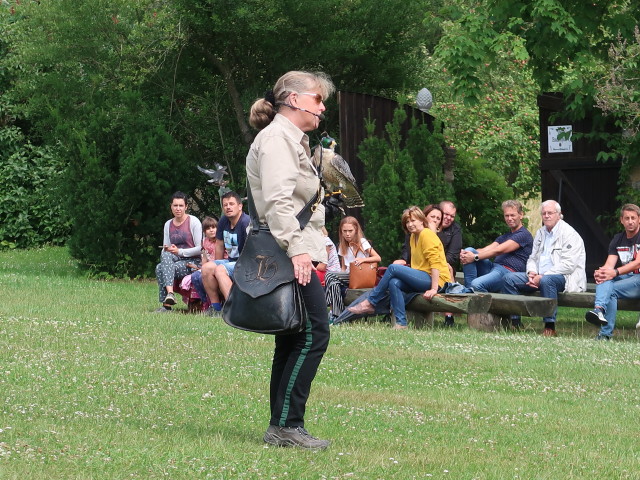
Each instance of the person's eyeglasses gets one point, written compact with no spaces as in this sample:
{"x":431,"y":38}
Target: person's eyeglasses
{"x":317,"y":96}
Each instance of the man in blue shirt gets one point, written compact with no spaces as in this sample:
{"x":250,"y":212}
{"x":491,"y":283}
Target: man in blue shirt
{"x":556,"y":263}
{"x":510,"y":250}
{"x":231,"y":234}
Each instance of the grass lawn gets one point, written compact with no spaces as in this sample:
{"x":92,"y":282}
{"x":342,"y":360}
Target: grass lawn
{"x":93,"y":385}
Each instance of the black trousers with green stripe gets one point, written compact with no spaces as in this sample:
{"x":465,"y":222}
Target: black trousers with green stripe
{"x":296,"y":359}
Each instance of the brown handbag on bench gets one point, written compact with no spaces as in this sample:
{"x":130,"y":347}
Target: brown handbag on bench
{"x":363,"y":275}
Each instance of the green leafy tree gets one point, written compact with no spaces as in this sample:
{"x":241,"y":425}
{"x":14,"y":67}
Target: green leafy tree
{"x":117,"y":193}
{"x":561,"y":40}
{"x":618,"y":96}
{"x":502,"y":127}
{"x":400,"y":174}
{"x":88,"y":90}
{"x":480,"y":191}
{"x":30,"y":213}
{"x":189,"y":69}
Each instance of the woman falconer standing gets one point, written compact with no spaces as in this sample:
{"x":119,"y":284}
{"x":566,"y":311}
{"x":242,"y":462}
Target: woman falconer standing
{"x":282,"y":179}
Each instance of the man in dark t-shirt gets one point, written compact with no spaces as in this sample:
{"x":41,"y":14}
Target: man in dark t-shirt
{"x":231,"y":234}
{"x":619,"y":277}
{"x":510,"y":250}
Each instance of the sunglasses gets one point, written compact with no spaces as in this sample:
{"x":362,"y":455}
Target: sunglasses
{"x":317,"y":96}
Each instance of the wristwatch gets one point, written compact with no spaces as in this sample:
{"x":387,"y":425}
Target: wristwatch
{"x":476,"y":257}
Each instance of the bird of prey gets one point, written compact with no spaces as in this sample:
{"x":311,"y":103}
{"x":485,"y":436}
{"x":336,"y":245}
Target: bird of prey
{"x":215,"y":176}
{"x":336,"y":173}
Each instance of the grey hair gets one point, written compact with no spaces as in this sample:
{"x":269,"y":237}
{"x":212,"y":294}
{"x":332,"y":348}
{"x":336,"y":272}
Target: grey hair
{"x":552,"y":203}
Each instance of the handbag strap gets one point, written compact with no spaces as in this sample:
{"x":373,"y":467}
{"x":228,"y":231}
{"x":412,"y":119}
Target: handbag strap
{"x":359,"y":249}
{"x":303,"y":215}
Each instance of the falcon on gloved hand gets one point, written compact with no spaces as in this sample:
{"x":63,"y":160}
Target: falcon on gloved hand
{"x":336,"y":174}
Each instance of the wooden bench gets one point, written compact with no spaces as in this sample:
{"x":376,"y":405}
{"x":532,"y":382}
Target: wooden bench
{"x":491,"y":312}
{"x":420,"y":311}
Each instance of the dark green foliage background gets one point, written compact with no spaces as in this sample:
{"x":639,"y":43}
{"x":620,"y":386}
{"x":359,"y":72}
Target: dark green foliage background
{"x":401,"y":174}
{"x":30,"y":210}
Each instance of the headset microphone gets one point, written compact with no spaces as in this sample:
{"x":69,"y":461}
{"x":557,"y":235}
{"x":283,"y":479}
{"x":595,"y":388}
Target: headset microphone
{"x":319,"y":115}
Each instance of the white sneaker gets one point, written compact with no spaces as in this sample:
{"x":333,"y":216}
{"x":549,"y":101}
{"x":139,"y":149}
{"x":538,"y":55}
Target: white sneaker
{"x":638,"y":324}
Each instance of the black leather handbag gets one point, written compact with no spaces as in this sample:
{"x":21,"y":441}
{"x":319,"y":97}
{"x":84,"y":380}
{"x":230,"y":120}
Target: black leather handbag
{"x":265,"y":296}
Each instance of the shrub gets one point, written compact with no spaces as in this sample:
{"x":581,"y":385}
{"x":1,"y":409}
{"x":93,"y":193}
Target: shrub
{"x":118,"y":184}
{"x":412,"y":173}
{"x":480,"y":191}
{"x":409,"y":173}
{"x":30,"y":214}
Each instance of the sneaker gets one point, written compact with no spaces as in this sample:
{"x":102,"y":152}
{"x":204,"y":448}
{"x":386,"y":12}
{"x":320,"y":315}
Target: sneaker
{"x":397,"y":326}
{"x":163,"y":309}
{"x":449,"y":321}
{"x":603,"y":337}
{"x":293,"y":437}
{"x":596,"y":317}
{"x":212,"y":312}
{"x":170,"y":299}
{"x":638,"y":324}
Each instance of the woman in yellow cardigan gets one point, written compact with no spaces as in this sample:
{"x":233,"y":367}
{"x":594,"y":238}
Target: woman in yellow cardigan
{"x":428,"y":272}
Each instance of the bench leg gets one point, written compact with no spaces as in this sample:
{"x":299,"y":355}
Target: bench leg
{"x":419,"y":320}
{"x":488,"y":322}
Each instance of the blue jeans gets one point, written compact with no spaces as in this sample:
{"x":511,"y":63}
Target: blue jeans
{"x":483,"y":275}
{"x":398,"y":279}
{"x":550,"y":285}
{"x":608,"y":293}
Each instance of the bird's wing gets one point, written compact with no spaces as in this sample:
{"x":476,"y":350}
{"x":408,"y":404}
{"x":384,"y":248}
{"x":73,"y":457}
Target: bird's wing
{"x":341,"y":165}
{"x":206,"y":171}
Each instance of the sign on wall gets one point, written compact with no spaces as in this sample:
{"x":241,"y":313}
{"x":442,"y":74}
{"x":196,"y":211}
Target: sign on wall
{"x":560,"y":138}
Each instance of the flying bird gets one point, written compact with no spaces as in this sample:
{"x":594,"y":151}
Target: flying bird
{"x":336,"y":173}
{"x":215,"y":176}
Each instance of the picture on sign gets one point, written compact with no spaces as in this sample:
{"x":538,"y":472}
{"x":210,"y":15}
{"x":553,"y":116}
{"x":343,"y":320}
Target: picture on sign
{"x":560,"y":138}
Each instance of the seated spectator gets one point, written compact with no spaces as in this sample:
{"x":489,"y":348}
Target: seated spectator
{"x":450,"y":234}
{"x":428,"y":272}
{"x":182,"y":244}
{"x":352,"y":248}
{"x":231,"y":234}
{"x":556,"y":264}
{"x":210,"y":227}
{"x":333,"y":261}
{"x":619,"y":277}
{"x":510,"y":250}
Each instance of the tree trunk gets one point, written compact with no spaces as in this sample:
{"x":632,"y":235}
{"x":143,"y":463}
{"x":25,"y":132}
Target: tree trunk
{"x":227,"y":74}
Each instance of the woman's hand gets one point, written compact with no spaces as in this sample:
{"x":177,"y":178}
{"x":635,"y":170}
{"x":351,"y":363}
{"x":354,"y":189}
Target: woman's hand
{"x":429,"y":294}
{"x":302,"y":268}
{"x":172,"y":249}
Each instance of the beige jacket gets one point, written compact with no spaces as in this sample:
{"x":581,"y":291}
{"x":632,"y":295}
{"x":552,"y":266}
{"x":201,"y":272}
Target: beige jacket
{"x":283,"y":179}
